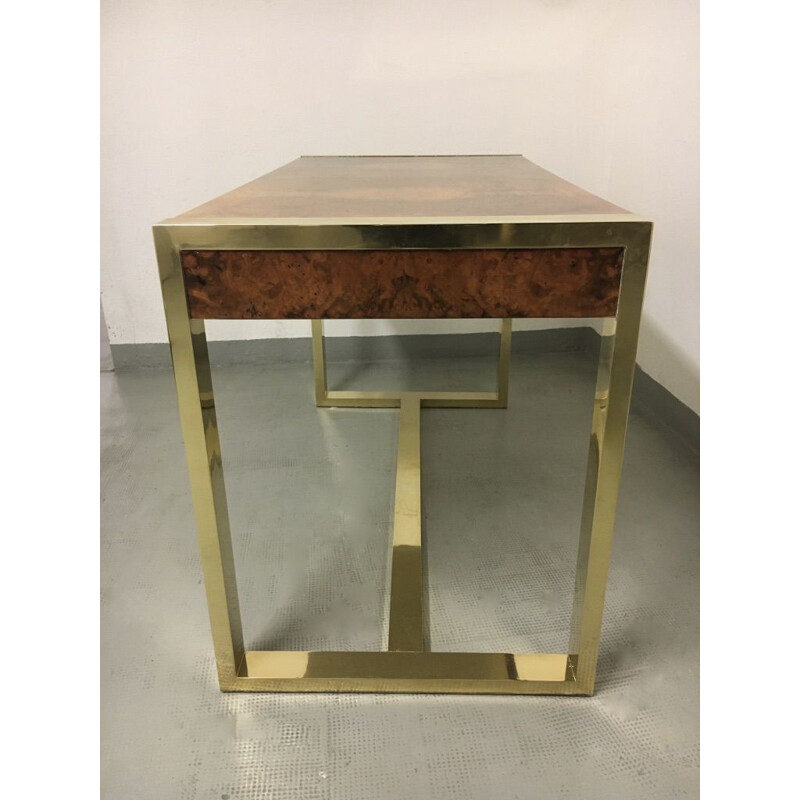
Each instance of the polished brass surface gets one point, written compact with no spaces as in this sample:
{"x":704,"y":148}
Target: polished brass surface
{"x":201,"y":440}
{"x":405,"y":610}
{"x":328,"y":399}
{"x":318,"y":354}
{"x":405,"y":668}
{"x":504,"y":364}
{"x":406,"y":603}
{"x":610,"y":230}
{"x":450,"y":673}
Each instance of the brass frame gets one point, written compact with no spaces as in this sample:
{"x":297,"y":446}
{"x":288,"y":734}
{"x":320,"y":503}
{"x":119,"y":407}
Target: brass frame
{"x":328,"y":399}
{"x":405,"y":667}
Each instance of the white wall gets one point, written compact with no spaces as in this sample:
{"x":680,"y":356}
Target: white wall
{"x":200,"y":96}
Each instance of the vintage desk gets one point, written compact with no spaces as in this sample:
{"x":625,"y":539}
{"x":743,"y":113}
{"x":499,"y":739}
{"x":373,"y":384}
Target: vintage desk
{"x":405,"y":237}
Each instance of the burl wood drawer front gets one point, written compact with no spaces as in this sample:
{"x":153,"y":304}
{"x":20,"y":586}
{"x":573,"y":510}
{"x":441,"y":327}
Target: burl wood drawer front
{"x":402,"y":284}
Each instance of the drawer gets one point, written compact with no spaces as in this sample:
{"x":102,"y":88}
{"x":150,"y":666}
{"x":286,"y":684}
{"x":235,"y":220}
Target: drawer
{"x":402,"y":284}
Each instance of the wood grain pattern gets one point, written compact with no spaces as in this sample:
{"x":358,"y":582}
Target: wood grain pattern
{"x":402,"y":284}
{"x":403,"y":187}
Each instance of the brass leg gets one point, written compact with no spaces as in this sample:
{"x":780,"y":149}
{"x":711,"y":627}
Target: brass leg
{"x":609,"y":424}
{"x":504,"y":363}
{"x":405,"y":610}
{"x":201,"y":438}
{"x":318,"y":354}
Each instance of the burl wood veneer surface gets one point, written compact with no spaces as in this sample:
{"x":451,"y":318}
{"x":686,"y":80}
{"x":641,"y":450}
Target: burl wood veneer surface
{"x":369,"y":187}
{"x":397,"y":284}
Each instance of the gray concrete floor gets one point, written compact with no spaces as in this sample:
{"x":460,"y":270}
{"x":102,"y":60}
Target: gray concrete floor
{"x":310,"y":494}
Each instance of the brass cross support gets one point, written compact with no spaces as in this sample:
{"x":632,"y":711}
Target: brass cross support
{"x":405,"y":616}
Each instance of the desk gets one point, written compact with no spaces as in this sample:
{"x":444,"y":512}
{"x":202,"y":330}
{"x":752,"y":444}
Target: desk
{"x":415,"y":237}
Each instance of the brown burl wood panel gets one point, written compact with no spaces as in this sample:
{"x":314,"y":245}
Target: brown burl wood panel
{"x":402,"y":284}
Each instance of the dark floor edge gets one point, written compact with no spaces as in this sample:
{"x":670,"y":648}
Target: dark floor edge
{"x":355,"y":348}
{"x":649,"y":396}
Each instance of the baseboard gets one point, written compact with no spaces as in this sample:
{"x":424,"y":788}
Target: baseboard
{"x":649,"y":396}
{"x":355,"y":348}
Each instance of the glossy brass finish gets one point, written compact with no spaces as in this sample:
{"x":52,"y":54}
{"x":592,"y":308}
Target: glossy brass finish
{"x":504,"y":364}
{"x":610,"y":230}
{"x":187,"y":340}
{"x":327,"y":399}
{"x":406,"y":607}
{"x":449,"y":673}
{"x":406,"y":667}
{"x":405,"y":610}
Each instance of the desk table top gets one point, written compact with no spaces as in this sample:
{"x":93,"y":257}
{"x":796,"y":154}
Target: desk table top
{"x":352,"y":237}
{"x":364,"y":189}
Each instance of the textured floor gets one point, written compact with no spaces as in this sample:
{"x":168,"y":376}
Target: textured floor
{"x":310,"y":494}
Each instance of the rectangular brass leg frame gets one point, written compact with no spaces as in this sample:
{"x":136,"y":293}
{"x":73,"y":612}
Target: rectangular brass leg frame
{"x":326,"y":399}
{"x":406,"y":666}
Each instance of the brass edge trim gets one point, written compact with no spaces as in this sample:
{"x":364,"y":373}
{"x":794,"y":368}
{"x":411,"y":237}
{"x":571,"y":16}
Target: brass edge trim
{"x":408,"y":237}
{"x":409,"y":664}
{"x":348,"y":222}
